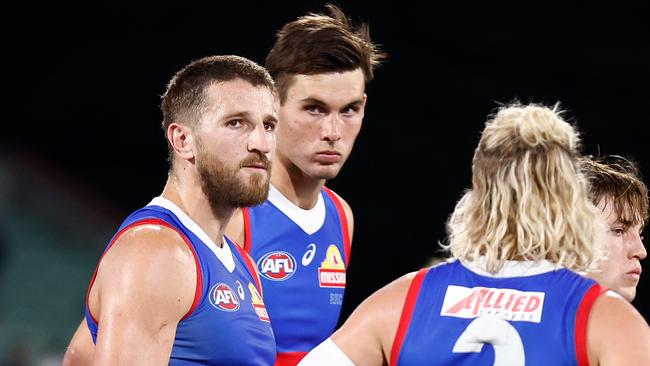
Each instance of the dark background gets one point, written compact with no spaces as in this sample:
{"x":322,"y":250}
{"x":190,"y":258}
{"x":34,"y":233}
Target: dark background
{"x":82,"y":89}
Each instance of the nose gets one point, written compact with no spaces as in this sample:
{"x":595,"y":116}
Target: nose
{"x":331,"y":129}
{"x":260,"y":140}
{"x":637,"y":248}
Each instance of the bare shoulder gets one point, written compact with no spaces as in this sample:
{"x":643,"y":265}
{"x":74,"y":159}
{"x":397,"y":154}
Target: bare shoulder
{"x":235,"y":230}
{"x":367,"y":335}
{"x":139,"y":262}
{"x":617,"y":333}
{"x":146,"y":282}
{"x":146,"y":245}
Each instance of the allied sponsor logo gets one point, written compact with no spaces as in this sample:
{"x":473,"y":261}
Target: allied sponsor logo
{"x":258,"y":303}
{"x":331,"y":272}
{"x":277,"y":266}
{"x":223,"y":297}
{"x":508,"y":304}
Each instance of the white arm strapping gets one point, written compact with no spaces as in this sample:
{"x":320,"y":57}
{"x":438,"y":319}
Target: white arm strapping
{"x":326,"y":354}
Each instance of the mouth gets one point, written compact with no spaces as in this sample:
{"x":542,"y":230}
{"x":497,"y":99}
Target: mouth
{"x":259,"y":162}
{"x":634,"y":274}
{"x":636,"y":271}
{"x":327,"y":157}
{"x":259,"y":165}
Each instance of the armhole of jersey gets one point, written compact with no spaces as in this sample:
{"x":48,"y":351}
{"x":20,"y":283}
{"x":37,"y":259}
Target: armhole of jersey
{"x":407,"y":313}
{"x":248,"y":261}
{"x":154,"y":221}
{"x":582,"y":318}
{"x":344,"y":224}
{"x":248,"y":240}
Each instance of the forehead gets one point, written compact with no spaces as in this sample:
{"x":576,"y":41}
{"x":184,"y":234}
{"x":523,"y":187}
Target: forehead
{"x":238,"y":96}
{"x":613,"y":212}
{"x":332,"y":88}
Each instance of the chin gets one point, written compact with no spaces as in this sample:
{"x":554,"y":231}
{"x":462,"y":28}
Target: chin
{"x":326,"y":172}
{"x":628,"y":293}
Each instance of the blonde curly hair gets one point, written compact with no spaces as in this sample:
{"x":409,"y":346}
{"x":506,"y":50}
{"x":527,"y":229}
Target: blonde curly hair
{"x":529,"y":199}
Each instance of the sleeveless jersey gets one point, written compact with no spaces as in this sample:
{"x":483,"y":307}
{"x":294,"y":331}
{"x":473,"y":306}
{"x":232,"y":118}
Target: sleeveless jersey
{"x":301,"y":256}
{"x":227,"y":323}
{"x":528,"y":314}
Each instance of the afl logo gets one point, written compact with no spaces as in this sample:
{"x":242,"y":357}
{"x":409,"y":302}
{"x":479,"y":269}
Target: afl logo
{"x":223,"y":298}
{"x":277,"y":266}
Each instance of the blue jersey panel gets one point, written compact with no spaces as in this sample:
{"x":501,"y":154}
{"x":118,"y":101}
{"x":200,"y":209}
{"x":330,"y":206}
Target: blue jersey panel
{"x":303,"y":275}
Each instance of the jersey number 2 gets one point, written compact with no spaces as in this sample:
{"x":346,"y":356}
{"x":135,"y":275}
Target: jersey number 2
{"x":508,"y":349}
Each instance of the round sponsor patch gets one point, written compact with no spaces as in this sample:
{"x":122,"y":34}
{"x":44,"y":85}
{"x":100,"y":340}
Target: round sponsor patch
{"x":277,"y":266}
{"x":223,"y":297}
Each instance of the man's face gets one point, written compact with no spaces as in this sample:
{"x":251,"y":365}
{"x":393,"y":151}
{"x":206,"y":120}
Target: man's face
{"x":234,"y":138}
{"x":319,"y":121}
{"x":621,"y":270}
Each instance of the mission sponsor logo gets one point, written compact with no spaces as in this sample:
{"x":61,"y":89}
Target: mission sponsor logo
{"x":331,"y":272}
{"x":223,"y":297}
{"x":258,"y":304}
{"x":277,"y":266}
{"x":508,"y":304}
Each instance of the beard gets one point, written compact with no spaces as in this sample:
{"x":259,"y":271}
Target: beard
{"x":223,"y":187}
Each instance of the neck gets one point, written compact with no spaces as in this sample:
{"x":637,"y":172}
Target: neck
{"x":186,"y":193}
{"x":294,"y":184}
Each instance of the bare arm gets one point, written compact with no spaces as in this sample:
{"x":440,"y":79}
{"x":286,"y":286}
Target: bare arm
{"x":145,"y":284}
{"x":616,"y":333}
{"x":81,"y":349}
{"x":367,"y":336}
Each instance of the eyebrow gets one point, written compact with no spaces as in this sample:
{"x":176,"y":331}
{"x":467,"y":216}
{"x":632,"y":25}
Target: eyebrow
{"x":242,"y":114}
{"x":247,"y":116}
{"x":312,"y":100}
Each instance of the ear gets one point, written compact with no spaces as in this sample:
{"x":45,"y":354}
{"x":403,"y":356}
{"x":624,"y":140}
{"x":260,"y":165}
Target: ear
{"x":181,"y":139}
{"x":362,"y":110}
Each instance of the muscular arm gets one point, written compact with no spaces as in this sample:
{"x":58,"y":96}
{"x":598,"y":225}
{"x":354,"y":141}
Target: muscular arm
{"x":145,"y":284}
{"x":367,"y":336}
{"x":81,"y":349}
{"x":617,"y":334}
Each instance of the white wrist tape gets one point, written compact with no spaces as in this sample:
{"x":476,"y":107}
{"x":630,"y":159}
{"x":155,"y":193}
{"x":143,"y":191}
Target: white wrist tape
{"x":326,"y":354}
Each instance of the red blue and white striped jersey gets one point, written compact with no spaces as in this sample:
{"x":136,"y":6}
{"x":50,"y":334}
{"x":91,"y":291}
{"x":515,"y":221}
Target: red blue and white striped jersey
{"x":527,"y":314}
{"x":301,"y":256}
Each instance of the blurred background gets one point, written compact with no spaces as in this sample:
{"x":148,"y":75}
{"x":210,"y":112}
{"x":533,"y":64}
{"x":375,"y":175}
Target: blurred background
{"x":81,"y":145}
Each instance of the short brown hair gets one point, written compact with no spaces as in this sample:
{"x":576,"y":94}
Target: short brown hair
{"x":185,"y":94}
{"x":319,"y":43}
{"x":618,"y":179}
